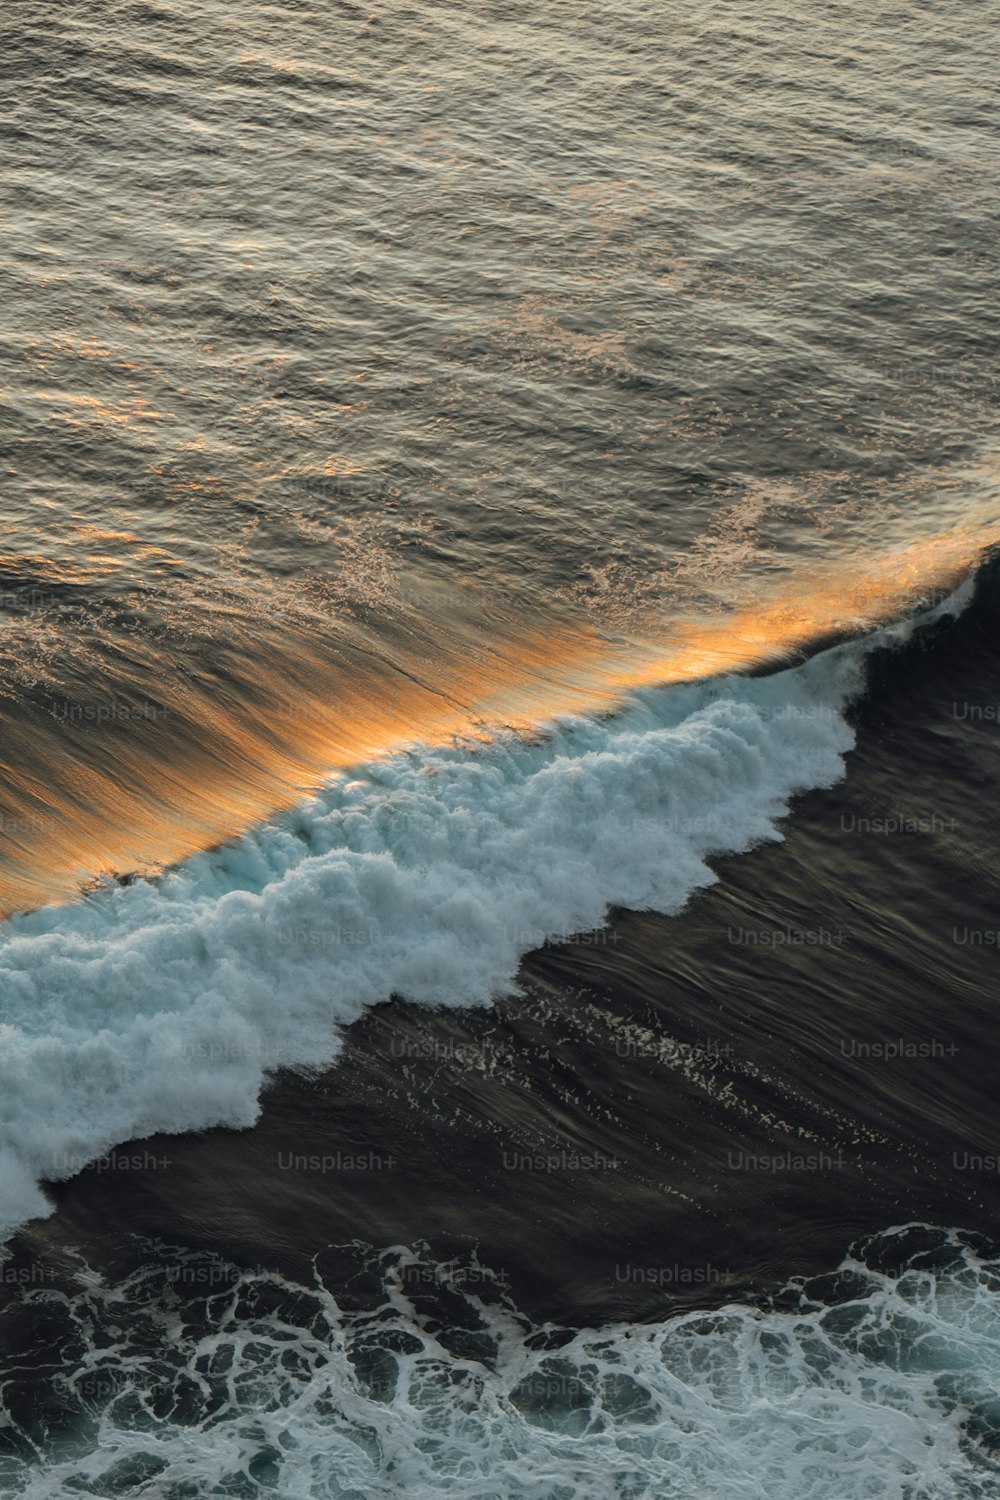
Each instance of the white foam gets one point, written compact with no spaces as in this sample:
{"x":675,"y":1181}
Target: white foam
{"x":884,"y":1389}
{"x":429,"y":874}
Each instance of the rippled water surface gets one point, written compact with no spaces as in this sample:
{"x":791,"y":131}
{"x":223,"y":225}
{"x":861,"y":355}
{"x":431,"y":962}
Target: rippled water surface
{"x":345,"y":348}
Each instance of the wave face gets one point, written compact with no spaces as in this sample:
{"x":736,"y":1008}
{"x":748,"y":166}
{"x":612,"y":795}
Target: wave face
{"x":193,"y":1377}
{"x":131,"y":767}
{"x":161,"y":1006}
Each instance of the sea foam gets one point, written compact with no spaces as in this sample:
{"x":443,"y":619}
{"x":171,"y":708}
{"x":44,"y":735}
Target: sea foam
{"x":197,"y":1378}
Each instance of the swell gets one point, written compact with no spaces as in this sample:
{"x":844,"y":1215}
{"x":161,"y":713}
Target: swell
{"x":160,"y":1006}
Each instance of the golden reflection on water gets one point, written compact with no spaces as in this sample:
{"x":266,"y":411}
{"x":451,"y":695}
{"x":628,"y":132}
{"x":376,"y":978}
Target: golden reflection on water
{"x":147,"y":794}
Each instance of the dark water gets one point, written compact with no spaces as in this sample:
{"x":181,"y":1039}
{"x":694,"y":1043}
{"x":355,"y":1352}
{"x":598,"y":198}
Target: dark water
{"x":498,"y":662}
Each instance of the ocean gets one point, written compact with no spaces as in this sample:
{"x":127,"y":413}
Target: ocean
{"x":500,"y":704}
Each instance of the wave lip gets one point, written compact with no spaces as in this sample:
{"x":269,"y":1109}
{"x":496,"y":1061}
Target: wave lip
{"x":160,"y":1007}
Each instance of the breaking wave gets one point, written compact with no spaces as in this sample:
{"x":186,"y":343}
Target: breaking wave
{"x":162,"y":1004}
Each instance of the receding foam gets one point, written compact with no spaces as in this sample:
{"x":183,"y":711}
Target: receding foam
{"x":194,"y":1378}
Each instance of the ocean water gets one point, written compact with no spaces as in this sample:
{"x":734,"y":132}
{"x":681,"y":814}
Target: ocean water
{"x":499,"y":709}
